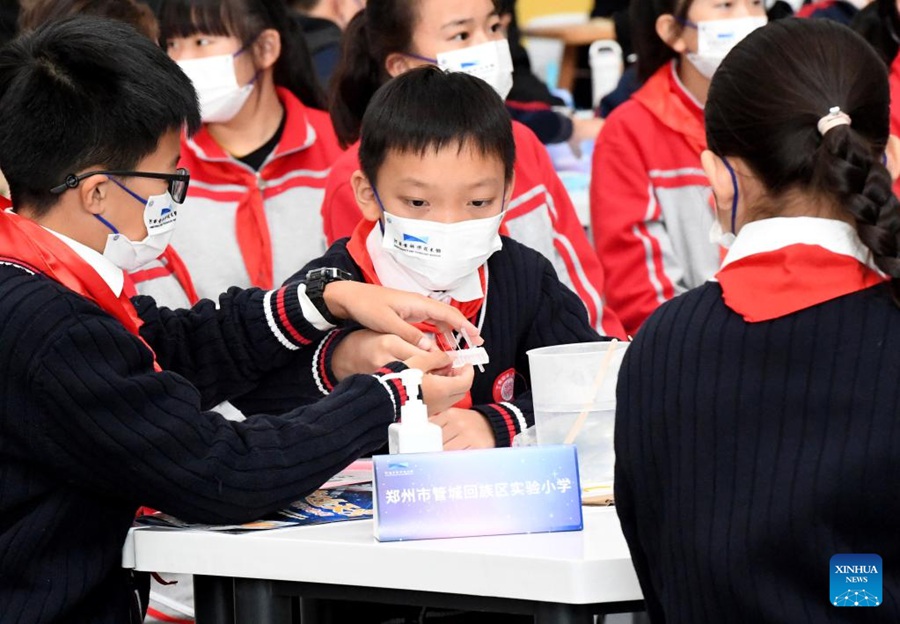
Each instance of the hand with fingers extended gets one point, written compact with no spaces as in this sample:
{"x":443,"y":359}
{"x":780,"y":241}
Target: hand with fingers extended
{"x":464,"y":429}
{"x":365,"y":351}
{"x":391,"y":311}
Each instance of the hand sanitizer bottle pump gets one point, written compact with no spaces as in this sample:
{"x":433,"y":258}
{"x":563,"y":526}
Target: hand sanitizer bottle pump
{"x":414,"y":433}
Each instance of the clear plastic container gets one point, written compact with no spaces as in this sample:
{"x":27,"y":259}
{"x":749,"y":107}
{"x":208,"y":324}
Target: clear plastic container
{"x":596,"y":456}
{"x":568,"y":381}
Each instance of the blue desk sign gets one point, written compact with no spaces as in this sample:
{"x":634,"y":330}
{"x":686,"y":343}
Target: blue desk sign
{"x":531,"y":489}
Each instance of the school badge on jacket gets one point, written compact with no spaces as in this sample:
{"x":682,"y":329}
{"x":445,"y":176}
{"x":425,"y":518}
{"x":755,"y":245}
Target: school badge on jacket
{"x":504,"y":386}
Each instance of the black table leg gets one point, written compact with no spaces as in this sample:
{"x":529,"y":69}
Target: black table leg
{"x":316,"y":611}
{"x":213,"y":600}
{"x":551,"y":613}
{"x":255,"y":602}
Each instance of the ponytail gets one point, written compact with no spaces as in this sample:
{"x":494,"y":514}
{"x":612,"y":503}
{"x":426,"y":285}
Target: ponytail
{"x":376,"y":32}
{"x":294,"y":68}
{"x":848,"y":167}
{"x":356,"y":79}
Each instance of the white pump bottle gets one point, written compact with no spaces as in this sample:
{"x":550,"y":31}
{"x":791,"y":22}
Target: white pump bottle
{"x":414,"y":433}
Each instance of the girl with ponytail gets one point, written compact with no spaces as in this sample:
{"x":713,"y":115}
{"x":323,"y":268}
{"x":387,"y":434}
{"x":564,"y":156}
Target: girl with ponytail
{"x":390,"y":37}
{"x":756,"y":427}
{"x":260,"y":160}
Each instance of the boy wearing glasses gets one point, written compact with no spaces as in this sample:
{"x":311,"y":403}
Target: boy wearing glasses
{"x":102,"y":398}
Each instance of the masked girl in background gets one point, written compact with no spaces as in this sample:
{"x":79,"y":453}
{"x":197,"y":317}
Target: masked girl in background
{"x":258,"y":164}
{"x":651,"y":207}
{"x":390,"y":37}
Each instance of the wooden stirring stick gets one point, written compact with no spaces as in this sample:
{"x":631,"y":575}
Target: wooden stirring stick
{"x":598,"y":381}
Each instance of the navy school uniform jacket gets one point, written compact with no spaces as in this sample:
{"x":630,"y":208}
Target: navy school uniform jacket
{"x":527,"y":307}
{"x":89,"y":431}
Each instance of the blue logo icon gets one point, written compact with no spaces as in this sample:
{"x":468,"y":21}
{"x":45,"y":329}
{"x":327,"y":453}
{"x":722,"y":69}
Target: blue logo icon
{"x":165,"y":211}
{"x":856,"y":581}
{"x":409,"y":238}
{"x":397,"y":465}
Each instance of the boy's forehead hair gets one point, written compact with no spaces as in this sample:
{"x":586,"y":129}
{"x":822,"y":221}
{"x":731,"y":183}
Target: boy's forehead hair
{"x":83,"y":92}
{"x":429,"y":109}
{"x":463,"y":145}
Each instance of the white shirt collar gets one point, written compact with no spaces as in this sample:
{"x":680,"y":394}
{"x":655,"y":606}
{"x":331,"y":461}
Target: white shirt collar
{"x":393,"y":275}
{"x":779,"y":232}
{"x":111,"y":274}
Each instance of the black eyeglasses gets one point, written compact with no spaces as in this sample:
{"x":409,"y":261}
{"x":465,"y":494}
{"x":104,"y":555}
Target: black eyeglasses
{"x":178,"y":181}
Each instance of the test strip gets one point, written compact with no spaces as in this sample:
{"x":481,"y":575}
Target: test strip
{"x":477,"y":356}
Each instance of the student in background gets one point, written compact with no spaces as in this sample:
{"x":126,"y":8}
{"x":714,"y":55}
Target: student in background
{"x":390,"y":37}
{"x":841,"y":11}
{"x":879,"y":24}
{"x":416,"y":128}
{"x":756,"y":428}
{"x":104,"y":398}
{"x":322,"y":23}
{"x":259,"y":162}
{"x":134,"y":12}
{"x":530,"y":101}
{"x":651,"y":205}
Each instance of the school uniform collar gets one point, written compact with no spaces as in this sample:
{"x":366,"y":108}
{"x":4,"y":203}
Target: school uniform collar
{"x":667,"y":99}
{"x":782,"y":265}
{"x":298,"y":134}
{"x":771,"y":234}
{"x":110,"y":273}
{"x":392,"y":275}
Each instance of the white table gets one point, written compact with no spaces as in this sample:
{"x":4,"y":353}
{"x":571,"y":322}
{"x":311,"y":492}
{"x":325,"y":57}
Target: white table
{"x":560,"y":577}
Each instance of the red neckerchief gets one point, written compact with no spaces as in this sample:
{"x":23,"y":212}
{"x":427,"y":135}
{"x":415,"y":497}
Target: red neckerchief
{"x":251,"y":225}
{"x":666,"y":99}
{"x":894,"y":81}
{"x":173,"y":265}
{"x":356,"y":246}
{"x":24,"y":242}
{"x":772,"y":284}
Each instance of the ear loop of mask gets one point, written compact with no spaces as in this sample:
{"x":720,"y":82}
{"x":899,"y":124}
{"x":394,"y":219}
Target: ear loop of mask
{"x":241,"y":51}
{"x":380,"y":205}
{"x":734,"y":200}
{"x":421,"y":58}
{"x":127,"y":190}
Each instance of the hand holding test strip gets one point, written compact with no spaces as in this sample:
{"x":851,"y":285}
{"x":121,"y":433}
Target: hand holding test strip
{"x":477,"y":356}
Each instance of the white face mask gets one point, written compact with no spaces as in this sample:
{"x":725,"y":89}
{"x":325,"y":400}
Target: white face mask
{"x":160,"y":215}
{"x":439,"y":256}
{"x":214,"y":79}
{"x":716,"y":38}
{"x":491,"y":61}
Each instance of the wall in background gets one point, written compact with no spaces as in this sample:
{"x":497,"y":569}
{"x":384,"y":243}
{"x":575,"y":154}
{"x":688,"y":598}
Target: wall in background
{"x":528,"y":9}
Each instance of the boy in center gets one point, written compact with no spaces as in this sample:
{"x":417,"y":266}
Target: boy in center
{"x":436,"y":156}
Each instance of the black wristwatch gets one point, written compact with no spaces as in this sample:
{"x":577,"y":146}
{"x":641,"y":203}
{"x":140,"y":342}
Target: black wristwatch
{"x":316,"y":281}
